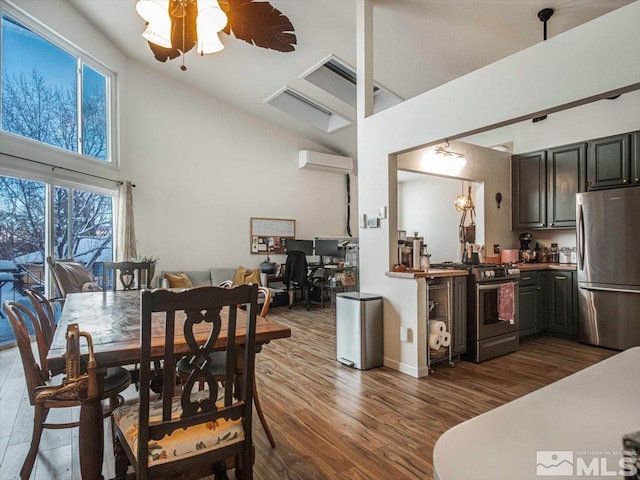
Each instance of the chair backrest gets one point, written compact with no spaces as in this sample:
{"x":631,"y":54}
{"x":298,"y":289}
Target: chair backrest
{"x":127,"y":275}
{"x":19,"y":318}
{"x":46,"y":319}
{"x":68,"y":275}
{"x":265,"y":293}
{"x":186,"y":312}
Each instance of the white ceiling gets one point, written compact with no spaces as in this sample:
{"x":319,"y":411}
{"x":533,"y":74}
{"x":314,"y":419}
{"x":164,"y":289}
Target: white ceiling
{"x":418,"y":45}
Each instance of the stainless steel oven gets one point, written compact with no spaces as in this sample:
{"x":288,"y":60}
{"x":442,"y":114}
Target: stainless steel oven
{"x":490,"y":336}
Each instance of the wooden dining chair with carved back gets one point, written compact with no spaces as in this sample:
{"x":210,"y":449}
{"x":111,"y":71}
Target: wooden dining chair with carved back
{"x":125,"y":275}
{"x":56,"y":393}
{"x":217,"y":365}
{"x":192,"y":433}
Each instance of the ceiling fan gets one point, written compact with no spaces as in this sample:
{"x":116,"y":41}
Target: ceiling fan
{"x":174,"y":27}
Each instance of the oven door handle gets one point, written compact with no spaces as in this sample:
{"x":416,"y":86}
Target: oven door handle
{"x":494,"y":285}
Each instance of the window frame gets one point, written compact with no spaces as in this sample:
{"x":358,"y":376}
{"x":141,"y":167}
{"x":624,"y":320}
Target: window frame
{"x":82,"y":58}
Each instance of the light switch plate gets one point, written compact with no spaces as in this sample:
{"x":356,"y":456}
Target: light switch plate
{"x":372,"y":222}
{"x":363,"y":220}
{"x":382,"y":212}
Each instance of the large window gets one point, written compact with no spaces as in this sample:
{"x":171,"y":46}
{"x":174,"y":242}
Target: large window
{"x":81,"y":227}
{"x":52,"y":93}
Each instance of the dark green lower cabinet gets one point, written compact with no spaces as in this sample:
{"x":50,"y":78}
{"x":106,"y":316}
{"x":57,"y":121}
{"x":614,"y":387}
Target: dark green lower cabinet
{"x":562,"y":303}
{"x":532,"y":299}
{"x":548,"y":303}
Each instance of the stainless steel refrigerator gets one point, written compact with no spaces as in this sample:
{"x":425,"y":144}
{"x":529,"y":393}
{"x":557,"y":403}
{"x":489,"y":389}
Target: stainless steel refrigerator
{"x":608,"y":237}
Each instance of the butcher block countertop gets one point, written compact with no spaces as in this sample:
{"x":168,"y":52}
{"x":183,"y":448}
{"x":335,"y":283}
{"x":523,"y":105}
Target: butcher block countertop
{"x":432,"y":273}
{"x":526,"y":267}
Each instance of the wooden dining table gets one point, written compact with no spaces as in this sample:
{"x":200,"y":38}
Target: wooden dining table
{"x":113,"y":320}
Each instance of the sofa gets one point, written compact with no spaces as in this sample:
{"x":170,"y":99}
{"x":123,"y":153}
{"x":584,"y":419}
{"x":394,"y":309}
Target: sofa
{"x":215,"y":276}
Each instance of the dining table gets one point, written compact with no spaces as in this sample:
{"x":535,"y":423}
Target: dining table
{"x":113,"y":321}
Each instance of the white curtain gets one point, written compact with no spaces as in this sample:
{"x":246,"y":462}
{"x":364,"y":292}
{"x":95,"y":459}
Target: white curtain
{"x":125,"y":230}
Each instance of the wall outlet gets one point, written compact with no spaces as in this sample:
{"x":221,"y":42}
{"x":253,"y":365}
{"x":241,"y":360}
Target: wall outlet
{"x":496,"y":248}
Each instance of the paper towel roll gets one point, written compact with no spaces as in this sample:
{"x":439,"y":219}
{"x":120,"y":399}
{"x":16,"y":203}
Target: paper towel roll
{"x":417,"y":248}
{"x":446,"y":339}
{"x":435,"y":341}
{"x":437,"y":328}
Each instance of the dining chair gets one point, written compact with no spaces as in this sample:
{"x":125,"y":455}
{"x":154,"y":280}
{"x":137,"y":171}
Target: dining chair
{"x":217,"y":363}
{"x":70,"y":276}
{"x":47,"y":394}
{"x":190,"y":433}
{"x":127,"y":275}
{"x":45,"y":326}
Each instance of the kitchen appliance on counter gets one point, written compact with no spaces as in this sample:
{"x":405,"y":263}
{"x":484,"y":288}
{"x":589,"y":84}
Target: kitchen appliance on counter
{"x":525,"y":251}
{"x":488,"y":335}
{"x":607,"y":267}
{"x":410,"y":251}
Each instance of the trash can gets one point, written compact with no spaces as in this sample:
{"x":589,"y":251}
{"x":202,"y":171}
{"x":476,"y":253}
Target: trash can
{"x":359,"y":341}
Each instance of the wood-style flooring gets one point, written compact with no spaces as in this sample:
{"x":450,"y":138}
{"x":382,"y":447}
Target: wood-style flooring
{"x":329,"y":421}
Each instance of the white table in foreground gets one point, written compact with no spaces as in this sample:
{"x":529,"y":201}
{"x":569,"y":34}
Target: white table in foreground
{"x":554,"y":432}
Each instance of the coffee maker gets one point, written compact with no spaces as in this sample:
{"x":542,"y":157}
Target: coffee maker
{"x":525,"y":252}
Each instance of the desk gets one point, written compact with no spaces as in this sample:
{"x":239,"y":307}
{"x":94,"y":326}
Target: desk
{"x":586,"y":412}
{"x":113,"y":320}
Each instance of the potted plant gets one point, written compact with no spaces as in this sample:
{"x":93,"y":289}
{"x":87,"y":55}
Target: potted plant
{"x":152,"y":264}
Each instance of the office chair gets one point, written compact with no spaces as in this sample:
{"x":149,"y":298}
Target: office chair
{"x":298,"y":275}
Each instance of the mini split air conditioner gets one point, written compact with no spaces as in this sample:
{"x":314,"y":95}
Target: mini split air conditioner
{"x":325,"y":161}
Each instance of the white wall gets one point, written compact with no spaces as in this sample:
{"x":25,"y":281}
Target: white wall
{"x":201,"y":167}
{"x":503,"y":92}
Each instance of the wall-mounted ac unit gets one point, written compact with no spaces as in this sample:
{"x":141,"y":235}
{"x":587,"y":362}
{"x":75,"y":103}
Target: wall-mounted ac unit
{"x":325,"y":161}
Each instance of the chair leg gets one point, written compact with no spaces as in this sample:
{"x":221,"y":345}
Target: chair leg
{"x":39,"y":417}
{"x":122,"y":461}
{"x":263,"y":421}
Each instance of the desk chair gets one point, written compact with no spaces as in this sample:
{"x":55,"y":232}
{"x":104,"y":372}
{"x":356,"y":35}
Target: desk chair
{"x":192,"y":434}
{"x":46,"y":394}
{"x":130,"y":275}
{"x":298,"y":274}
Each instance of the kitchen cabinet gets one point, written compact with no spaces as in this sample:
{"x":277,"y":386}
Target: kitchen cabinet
{"x":613,"y":161}
{"x":459,"y":317}
{"x":562,"y":313}
{"x":529,"y":191}
{"x":532,"y":299}
{"x":544,"y":185}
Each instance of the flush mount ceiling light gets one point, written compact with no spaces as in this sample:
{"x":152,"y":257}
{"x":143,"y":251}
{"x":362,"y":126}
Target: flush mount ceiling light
{"x":173,"y":27}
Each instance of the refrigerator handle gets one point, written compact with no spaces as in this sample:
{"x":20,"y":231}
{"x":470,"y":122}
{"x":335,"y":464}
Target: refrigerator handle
{"x":580,"y":231}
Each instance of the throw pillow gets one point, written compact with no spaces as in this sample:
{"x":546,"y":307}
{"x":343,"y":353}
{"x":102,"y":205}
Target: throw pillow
{"x":180,"y":280}
{"x":246,"y":275}
{"x":91,"y":287}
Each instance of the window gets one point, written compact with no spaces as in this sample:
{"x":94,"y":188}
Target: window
{"x":51,"y":93}
{"x":81,"y":227}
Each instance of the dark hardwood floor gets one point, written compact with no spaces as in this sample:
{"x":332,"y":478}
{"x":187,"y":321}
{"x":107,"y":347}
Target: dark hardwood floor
{"x":329,"y":421}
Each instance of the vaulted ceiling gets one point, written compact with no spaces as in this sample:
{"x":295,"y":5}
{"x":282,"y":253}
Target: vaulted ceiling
{"x":418,"y":45}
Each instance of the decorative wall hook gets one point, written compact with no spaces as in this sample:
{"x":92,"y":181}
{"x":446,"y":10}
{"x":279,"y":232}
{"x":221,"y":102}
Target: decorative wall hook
{"x":498,"y":198}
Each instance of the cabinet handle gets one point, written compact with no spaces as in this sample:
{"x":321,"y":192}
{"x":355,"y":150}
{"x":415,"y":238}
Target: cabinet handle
{"x":542,"y":224}
{"x":637,"y":179}
{"x":624,"y":181}
{"x":538,"y":288}
{"x":551,"y":224}
{"x":526,"y":278}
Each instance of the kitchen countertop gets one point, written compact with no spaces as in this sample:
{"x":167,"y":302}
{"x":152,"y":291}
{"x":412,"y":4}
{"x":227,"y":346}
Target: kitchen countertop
{"x":432,"y":273}
{"x":546,"y":266}
{"x":548,"y":432}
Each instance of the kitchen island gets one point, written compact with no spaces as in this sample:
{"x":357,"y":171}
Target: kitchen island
{"x":577,"y":422}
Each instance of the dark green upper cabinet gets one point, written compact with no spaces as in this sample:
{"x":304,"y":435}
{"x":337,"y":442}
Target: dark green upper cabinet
{"x":529,"y":179}
{"x":610,"y":160}
{"x":563,"y":182}
{"x":545,"y":184}
{"x":635,"y":158}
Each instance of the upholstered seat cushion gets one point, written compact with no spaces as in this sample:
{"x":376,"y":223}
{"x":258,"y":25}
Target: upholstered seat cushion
{"x":181,"y":443}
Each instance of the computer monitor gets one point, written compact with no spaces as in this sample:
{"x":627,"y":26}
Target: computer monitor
{"x":327,"y":248}
{"x":305,"y":246}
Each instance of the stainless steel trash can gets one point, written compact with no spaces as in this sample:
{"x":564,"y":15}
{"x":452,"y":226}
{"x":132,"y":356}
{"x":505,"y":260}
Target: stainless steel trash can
{"x":359,"y":330}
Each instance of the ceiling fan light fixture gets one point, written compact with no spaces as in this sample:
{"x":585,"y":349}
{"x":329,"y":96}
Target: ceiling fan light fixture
{"x":210,"y":16}
{"x":209,"y":42}
{"x":156,"y":14}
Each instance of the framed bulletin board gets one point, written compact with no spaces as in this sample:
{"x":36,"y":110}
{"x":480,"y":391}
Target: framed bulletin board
{"x":267,"y":234}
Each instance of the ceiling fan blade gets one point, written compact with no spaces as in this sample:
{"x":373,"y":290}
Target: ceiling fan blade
{"x":260,"y":24}
{"x":163,"y":54}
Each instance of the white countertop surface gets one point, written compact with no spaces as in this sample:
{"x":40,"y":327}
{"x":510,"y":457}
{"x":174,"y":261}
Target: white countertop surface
{"x":585,"y":414}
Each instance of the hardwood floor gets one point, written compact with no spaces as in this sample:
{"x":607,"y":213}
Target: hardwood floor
{"x":329,"y":421}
